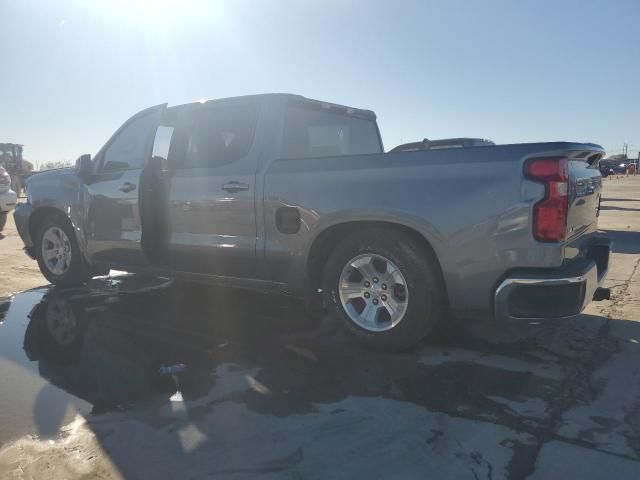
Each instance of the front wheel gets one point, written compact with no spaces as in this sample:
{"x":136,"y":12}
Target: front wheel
{"x":58,"y":255}
{"x":384,"y":288}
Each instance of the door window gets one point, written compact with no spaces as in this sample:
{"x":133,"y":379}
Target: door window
{"x":214,"y":137}
{"x":162,"y":144}
{"x":127,"y":150}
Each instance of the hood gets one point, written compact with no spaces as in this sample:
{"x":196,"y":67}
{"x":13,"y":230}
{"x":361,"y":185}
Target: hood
{"x":53,"y":174}
{"x":52,"y":184}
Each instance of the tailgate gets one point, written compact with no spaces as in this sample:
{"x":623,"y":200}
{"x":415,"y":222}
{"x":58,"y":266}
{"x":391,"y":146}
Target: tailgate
{"x":585,"y":189}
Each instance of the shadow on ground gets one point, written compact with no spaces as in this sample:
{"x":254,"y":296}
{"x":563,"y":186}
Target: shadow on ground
{"x":624,"y":241}
{"x":619,"y":199}
{"x":626,"y":209}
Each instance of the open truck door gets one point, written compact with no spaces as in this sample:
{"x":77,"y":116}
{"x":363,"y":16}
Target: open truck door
{"x":114,"y":233}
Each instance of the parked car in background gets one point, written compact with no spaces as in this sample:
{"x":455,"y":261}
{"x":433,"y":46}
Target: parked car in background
{"x":604,"y":170}
{"x":8,"y":197}
{"x":620,"y":169}
{"x":426,"y":144}
{"x":283,"y":193}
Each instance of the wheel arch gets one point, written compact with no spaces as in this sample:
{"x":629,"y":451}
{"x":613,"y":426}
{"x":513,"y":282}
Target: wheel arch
{"x":328,"y":238}
{"x":40,"y":214}
{"x":46,"y":211}
{"x":78,"y":271}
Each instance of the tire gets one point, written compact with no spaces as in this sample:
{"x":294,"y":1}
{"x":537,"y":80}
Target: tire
{"x":76,"y":272}
{"x":418,"y":304}
{"x":3,"y":219}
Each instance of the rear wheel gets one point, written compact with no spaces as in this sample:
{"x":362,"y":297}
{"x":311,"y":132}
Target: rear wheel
{"x":58,"y":255}
{"x":3,"y":219}
{"x":384,"y":289}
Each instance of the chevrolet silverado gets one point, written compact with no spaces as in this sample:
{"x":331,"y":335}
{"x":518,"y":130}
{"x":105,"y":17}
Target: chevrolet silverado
{"x":282,"y":193}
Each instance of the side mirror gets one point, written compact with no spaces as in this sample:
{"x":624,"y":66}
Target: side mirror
{"x":84,"y":166}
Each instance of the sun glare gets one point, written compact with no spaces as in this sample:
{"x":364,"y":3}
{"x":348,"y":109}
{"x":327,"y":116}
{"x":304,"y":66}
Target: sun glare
{"x":153,"y":15}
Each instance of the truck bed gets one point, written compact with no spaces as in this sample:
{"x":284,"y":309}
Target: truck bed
{"x":473,"y":205}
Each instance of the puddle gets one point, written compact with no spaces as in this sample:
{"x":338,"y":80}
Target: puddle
{"x":101,"y":349}
{"x":29,"y":403}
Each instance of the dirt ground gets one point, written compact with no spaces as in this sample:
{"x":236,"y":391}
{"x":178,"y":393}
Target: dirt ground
{"x":17,"y":271}
{"x":264,"y":396}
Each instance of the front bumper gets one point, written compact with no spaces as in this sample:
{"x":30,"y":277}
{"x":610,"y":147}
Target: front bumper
{"x":21,"y":217}
{"x":554,"y":293}
{"x":7,"y":201}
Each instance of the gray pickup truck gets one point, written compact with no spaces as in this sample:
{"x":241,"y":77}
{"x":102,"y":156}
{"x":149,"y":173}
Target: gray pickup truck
{"x":283,"y":193}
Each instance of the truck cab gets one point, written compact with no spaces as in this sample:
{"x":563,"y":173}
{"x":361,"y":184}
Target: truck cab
{"x":180,"y":188}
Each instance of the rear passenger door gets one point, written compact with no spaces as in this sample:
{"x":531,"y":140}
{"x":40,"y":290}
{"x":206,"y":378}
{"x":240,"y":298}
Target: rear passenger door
{"x":211,"y":191}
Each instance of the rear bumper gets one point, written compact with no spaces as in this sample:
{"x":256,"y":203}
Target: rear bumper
{"x":554,"y":293}
{"x":21,"y":217}
{"x":7,"y":201}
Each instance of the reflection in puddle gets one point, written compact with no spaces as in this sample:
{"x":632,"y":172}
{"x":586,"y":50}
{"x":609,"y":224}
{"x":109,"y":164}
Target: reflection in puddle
{"x":167,"y":353}
{"x":106,"y":347}
{"x":29,"y":403}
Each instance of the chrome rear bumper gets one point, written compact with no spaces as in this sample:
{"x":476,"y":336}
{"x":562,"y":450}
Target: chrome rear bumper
{"x":556,"y":293}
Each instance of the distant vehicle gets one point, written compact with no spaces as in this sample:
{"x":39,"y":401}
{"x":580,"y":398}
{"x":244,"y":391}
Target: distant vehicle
{"x":8,"y":197}
{"x":620,"y":169}
{"x":605,"y":171}
{"x":283,"y":193}
{"x":18,"y":168}
{"x":427,"y":144}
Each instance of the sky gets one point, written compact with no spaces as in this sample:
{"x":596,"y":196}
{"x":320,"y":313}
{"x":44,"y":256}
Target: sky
{"x":510,"y":71}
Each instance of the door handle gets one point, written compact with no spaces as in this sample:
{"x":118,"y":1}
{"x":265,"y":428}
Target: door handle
{"x":127,"y":187}
{"x":235,"y":186}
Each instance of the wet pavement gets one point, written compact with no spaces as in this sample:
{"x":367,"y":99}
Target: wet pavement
{"x":261,"y":377}
{"x":268,"y":391}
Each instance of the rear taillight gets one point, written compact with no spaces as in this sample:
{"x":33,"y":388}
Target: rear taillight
{"x":550,"y":213}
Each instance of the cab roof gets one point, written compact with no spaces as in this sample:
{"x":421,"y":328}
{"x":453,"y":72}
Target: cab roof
{"x":282,"y":98}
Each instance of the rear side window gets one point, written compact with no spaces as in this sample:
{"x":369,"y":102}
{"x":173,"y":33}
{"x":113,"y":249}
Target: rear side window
{"x":214,"y":137}
{"x":127,"y":151}
{"x":311,"y":132}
